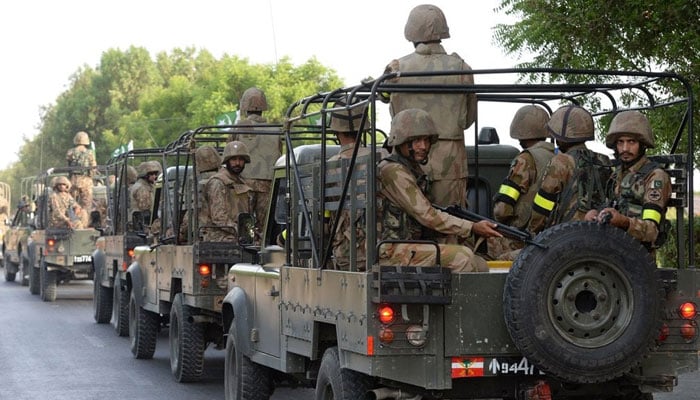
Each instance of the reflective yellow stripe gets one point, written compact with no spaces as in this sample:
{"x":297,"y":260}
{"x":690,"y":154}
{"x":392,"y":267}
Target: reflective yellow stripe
{"x":544,"y":203}
{"x":510,"y":192}
{"x":284,"y":234}
{"x":653,"y":215}
{"x":327,"y":214}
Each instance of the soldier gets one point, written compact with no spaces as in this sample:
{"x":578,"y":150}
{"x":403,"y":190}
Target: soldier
{"x":264,"y":152}
{"x":82,"y":158}
{"x":24,"y":212}
{"x":452,"y":113}
{"x":207,"y":162}
{"x":345,"y":123}
{"x":639,"y":188}
{"x":227,"y":194}
{"x":574,"y":180}
{"x":513,"y":203}
{"x":404,"y":211}
{"x":61,"y":204}
{"x":141,"y":193}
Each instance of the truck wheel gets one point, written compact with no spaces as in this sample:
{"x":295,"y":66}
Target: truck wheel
{"x":101,"y":301}
{"x":25,"y":271}
{"x":336,"y":383}
{"x":120,"y":309}
{"x":244,"y":379}
{"x":187,"y":343}
{"x":33,"y":279}
{"x":143,"y":330}
{"x":9,"y":268}
{"x":48,"y":283}
{"x":586,"y":308}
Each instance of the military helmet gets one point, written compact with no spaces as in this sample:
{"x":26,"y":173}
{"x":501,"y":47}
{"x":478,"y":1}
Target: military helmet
{"x":632,"y":123}
{"x":60,"y":179}
{"x":410,"y":124}
{"x":426,"y":23}
{"x":131,"y":175}
{"x":253,"y":99}
{"x":207,"y":159}
{"x":147,"y":167}
{"x":529,"y":122}
{"x":571,"y":124}
{"x":348,"y":119}
{"x":234,"y":149}
{"x":81,"y":138}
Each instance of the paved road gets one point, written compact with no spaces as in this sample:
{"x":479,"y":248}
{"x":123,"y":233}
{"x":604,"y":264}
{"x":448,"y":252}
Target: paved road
{"x":55,"y":351}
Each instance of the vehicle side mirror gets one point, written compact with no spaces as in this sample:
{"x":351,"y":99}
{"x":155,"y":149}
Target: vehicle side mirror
{"x":246,"y":229}
{"x":488,"y":135}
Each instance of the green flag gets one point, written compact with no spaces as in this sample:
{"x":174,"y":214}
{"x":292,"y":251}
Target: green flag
{"x":227,"y":118}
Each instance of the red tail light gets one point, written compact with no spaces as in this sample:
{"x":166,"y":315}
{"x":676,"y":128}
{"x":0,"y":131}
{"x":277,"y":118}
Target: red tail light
{"x":204,"y":270}
{"x":386,"y":335}
{"x":51,"y":242}
{"x":130,"y":253}
{"x":386,"y":314}
{"x":689,"y":330}
{"x":663,"y":333}
{"x":688,"y":310}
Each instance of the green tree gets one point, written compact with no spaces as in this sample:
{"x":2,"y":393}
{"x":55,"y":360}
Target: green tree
{"x":600,"y":34}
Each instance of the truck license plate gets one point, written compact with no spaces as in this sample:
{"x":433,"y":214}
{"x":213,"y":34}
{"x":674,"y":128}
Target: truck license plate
{"x":82,"y":259}
{"x":473,"y":367}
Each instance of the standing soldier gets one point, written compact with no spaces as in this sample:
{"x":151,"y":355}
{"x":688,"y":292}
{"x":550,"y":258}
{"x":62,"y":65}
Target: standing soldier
{"x":141,"y":194}
{"x":574,"y":180}
{"x":83,"y":160}
{"x":639,"y":187}
{"x":513,"y":203}
{"x":227,"y":194}
{"x":264,"y":152}
{"x":404,"y":210}
{"x":61,"y":204}
{"x":452,"y":113}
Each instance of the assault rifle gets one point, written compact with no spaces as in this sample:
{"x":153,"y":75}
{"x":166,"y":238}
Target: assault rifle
{"x":505,"y":230}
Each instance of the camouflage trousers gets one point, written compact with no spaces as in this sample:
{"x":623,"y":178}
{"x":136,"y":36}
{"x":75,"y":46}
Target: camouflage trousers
{"x":455,"y":257}
{"x":501,"y":248}
{"x":81,"y":190}
{"x":260,"y":197}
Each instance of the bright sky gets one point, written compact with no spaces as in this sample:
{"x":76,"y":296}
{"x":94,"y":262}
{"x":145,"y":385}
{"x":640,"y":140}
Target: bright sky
{"x":45,"y":41}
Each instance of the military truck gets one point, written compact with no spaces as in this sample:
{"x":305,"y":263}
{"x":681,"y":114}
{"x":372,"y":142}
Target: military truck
{"x":5,"y":208}
{"x":114,"y":251}
{"x":583,"y":312}
{"x":59,"y":255}
{"x":14,"y":244}
{"x":179,"y":280}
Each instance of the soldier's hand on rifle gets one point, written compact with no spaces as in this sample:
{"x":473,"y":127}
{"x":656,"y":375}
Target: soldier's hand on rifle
{"x":486,"y":229}
{"x":614,"y":218}
{"x":591,"y":216}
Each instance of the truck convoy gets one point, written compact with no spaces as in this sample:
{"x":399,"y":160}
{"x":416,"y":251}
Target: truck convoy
{"x":583,"y":313}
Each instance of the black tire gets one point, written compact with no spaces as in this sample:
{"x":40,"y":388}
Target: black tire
{"x":143,"y":330}
{"x":187,"y":343}
{"x":34,"y":279}
{"x":101,"y":301}
{"x":336,"y":383}
{"x":9,"y":276}
{"x":25,"y":270}
{"x":120,"y":308}
{"x":585,"y":309}
{"x":48,"y":284}
{"x":244,"y":379}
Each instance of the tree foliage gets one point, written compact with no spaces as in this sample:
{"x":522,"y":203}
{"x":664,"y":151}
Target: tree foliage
{"x":642,"y":35}
{"x":132,"y":96}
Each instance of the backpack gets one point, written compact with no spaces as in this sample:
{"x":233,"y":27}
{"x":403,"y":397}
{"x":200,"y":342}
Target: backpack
{"x":588,"y":184}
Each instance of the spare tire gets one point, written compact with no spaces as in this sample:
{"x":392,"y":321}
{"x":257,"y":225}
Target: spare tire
{"x":585,"y":306}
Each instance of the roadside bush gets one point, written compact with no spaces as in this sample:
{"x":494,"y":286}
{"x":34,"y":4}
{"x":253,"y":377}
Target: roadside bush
{"x":666,"y":256}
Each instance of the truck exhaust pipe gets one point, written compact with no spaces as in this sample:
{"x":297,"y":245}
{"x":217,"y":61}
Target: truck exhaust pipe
{"x":391,"y":394}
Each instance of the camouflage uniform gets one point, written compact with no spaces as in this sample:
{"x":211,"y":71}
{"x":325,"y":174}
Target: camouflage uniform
{"x":513,"y":203}
{"x":341,"y":240}
{"x":451,"y":113}
{"x":61,"y":206}
{"x":141,"y":196}
{"x":264,"y":152}
{"x":568,"y":189}
{"x":207,"y":161}
{"x":81,"y":179}
{"x":404,"y":211}
{"x":227,"y":195}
